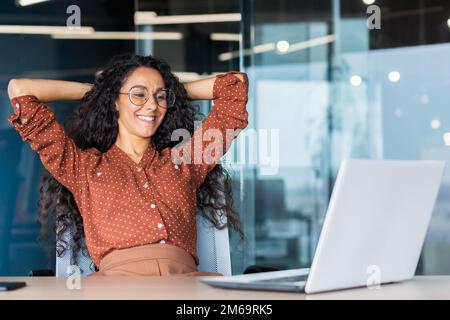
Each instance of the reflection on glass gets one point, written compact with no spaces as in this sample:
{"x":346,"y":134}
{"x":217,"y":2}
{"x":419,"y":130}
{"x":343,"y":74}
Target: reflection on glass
{"x":363,"y":94}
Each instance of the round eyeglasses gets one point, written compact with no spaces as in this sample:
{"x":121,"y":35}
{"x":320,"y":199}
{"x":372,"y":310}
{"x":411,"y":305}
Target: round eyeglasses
{"x":139,"y":96}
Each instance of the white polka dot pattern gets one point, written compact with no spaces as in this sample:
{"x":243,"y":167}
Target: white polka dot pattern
{"x":123,"y":203}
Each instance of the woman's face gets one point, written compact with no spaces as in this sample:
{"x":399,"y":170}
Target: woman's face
{"x":141,"y":120}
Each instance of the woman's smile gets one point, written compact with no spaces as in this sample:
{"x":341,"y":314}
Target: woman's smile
{"x":147,"y":119}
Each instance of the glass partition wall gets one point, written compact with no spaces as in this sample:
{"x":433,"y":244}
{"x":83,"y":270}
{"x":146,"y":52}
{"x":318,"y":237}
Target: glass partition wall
{"x":345,"y":79}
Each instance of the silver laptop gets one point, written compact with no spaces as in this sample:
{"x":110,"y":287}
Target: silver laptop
{"x":373,"y":231}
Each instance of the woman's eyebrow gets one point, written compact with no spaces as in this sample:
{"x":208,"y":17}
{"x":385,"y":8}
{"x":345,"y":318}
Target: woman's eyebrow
{"x":143,"y":86}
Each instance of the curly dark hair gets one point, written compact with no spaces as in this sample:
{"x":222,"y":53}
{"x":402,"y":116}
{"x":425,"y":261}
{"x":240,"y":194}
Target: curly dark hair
{"x":94,"y":124}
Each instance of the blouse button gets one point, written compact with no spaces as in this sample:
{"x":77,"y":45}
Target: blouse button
{"x":99,"y":174}
{"x":177,"y":167}
{"x":146,"y":185}
{"x":139,"y":169}
{"x":17,"y":106}
{"x":153,"y":206}
{"x":160,"y":225}
{"x":162,"y":241}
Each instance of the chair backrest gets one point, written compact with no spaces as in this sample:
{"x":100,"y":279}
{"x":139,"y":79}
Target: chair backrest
{"x":213,"y":250}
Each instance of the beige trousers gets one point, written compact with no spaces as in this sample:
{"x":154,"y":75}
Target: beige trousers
{"x":158,"y":259}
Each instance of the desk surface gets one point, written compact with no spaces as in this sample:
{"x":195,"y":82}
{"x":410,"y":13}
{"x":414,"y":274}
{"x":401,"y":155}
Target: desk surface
{"x":181,"y":287}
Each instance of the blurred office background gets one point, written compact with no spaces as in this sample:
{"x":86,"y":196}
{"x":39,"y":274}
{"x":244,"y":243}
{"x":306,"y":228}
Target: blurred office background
{"x":330,"y":85}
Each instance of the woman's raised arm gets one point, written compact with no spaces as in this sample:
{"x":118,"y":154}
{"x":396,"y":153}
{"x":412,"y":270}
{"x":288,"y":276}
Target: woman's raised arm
{"x":203,"y":89}
{"x":37,"y":124}
{"x":48,"y":90}
{"x":228,"y":116}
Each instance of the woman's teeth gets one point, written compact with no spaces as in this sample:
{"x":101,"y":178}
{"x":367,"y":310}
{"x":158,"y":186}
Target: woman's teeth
{"x":146,"y":118}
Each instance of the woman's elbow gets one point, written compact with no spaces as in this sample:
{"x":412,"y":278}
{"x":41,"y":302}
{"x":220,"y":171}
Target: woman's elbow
{"x":16,"y":88}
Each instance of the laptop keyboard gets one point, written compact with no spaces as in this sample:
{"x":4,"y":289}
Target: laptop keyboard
{"x":297,"y":278}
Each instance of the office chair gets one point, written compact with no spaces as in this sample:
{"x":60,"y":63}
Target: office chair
{"x":213,"y":250}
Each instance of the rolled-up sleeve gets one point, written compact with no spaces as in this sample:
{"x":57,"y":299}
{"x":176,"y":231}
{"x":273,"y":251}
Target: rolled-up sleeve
{"x":228,"y":116}
{"x":58,"y":153}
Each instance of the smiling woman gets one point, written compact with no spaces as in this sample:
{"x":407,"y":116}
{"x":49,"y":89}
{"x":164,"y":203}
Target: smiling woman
{"x":110,"y":173}
{"x":140,"y":116}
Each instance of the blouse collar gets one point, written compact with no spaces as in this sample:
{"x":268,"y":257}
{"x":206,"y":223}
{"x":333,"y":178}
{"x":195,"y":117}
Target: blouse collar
{"x":146,"y":159}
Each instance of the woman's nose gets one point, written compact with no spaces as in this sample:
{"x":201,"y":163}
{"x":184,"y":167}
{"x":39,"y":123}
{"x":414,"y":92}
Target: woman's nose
{"x":151,"y":105}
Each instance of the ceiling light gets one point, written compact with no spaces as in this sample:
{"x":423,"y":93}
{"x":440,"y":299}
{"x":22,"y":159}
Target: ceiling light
{"x":225,"y":36}
{"x":394,"y":76}
{"x":272,"y":46}
{"x":282,"y":46}
{"x":446,"y":138}
{"x":124,"y":35}
{"x":47,"y":30}
{"x":435,"y":124}
{"x":424,"y":99}
{"x":150,"y":18}
{"x":24,"y":3}
{"x":355,"y":80}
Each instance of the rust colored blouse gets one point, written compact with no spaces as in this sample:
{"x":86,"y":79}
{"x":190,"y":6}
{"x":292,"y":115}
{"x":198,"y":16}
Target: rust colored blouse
{"x":124,"y":203}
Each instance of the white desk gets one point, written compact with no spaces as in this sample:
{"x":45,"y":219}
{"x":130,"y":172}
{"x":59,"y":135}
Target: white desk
{"x":180,"y":287}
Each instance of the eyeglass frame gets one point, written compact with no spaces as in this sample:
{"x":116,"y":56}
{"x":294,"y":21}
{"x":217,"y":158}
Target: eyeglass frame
{"x":168,"y":91}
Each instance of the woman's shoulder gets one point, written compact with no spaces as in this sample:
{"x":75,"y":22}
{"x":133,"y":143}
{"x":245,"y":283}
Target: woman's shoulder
{"x":91,"y":154}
